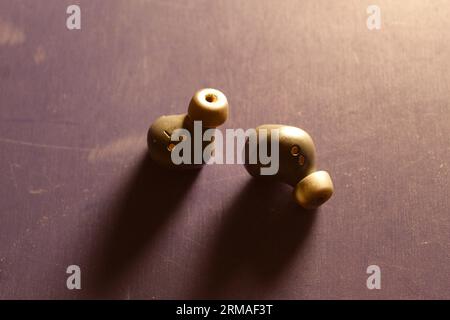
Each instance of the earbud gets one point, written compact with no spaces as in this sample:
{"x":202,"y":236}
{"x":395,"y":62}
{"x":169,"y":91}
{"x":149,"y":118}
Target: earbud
{"x":296,"y":163}
{"x":210,"y":106}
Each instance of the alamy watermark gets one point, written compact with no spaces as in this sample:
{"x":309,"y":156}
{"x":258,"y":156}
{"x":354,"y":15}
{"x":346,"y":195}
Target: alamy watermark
{"x":233,"y":140}
{"x":374,"y":280}
{"x":374,"y":20}
{"x":73,"y":21}
{"x":73,"y":282}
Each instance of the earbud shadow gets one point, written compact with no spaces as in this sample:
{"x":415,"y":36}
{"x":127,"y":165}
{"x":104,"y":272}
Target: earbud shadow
{"x":148,"y":201}
{"x":263,"y":231}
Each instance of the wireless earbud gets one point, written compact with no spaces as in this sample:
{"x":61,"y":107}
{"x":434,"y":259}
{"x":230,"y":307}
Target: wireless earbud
{"x":296,"y":163}
{"x":210,"y":106}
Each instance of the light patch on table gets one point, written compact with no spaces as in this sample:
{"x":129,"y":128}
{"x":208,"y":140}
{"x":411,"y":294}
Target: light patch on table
{"x":38,"y":191}
{"x":117,"y":149}
{"x":43,"y":221}
{"x":39,"y":55}
{"x":10,"y":35}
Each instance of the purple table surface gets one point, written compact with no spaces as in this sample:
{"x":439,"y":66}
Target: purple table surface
{"x":78,"y":189}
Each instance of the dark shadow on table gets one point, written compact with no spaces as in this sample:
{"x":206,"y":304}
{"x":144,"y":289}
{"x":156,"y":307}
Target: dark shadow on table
{"x":145,"y":205}
{"x":262,"y":232}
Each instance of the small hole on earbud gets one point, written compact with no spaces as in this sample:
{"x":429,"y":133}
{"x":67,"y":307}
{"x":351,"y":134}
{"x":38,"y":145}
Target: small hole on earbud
{"x":210,"y":97}
{"x":295,"y":151}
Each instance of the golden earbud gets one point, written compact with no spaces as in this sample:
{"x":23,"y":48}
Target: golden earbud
{"x":296,"y":164}
{"x":210,"y":106}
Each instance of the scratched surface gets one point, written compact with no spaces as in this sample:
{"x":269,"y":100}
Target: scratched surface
{"x":77,"y":188}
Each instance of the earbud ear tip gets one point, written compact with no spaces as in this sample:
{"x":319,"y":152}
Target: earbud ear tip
{"x":314,"y":190}
{"x":209,"y":106}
